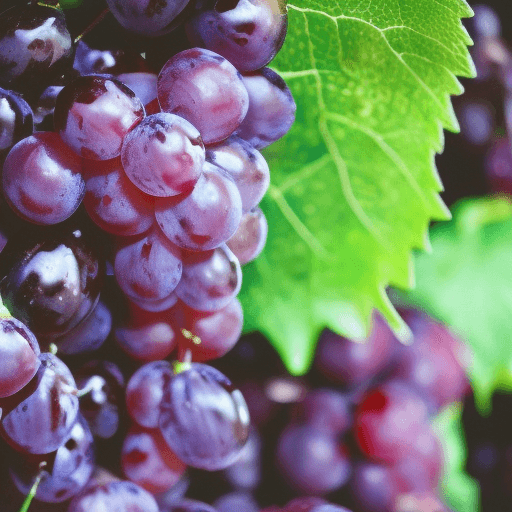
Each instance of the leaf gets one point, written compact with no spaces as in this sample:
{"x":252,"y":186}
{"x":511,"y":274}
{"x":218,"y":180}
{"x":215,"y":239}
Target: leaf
{"x":354,"y":185}
{"x":467,"y":283}
{"x":458,"y":489}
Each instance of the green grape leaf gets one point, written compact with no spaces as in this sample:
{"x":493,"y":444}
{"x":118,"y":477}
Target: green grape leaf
{"x":467,"y":283}
{"x":459,"y":490}
{"x":354,"y":184}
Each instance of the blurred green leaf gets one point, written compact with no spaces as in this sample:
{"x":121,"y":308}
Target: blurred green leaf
{"x":467,"y":283}
{"x":69,"y":4}
{"x":354,"y":185}
{"x":459,"y":490}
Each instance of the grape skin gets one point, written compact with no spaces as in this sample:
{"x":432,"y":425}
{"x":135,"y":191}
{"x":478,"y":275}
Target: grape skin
{"x":250,"y":237}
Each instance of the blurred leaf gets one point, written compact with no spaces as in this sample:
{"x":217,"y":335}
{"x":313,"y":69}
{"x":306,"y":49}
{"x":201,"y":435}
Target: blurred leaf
{"x":354,"y":185}
{"x":458,"y":489}
{"x":467,"y":283}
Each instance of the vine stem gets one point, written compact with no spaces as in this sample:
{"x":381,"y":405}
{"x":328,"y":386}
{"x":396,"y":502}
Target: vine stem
{"x":33,"y":489}
{"x":91,"y":25}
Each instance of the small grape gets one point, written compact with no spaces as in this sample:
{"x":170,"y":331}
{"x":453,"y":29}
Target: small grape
{"x":236,"y":502}
{"x":187,"y":505}
{"x":203,"y":418}
{"x":142,"y":84}
{"x":250,"y":237}
{"x":16,"y":119}
{"x":93,"y":114}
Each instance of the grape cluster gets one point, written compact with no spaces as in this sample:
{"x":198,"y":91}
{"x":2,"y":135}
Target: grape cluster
{"x":130,"y":171}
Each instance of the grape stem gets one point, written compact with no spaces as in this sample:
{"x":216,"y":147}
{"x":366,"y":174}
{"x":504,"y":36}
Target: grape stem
{"x":184,"y":364}
{"x":33,"y":489}
{"x":96,"y":20}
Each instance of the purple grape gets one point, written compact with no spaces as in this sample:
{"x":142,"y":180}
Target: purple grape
{"x":45,"y":105}
{"x":16,"y":119}
{"x":94,"y":113}
{"x":35,"y":47}
{"x":113,"y":202}
{"x":40,"y":417}
{"x":250,"y":237}
{"x":246,"y":166}
{"x":67,"y":470}
{"x":156,"y":306}
{"x":245,"y":472}
{"x":312,"y":461}
{"x":148,"y":268}
{"x":248,"y":33}
{"x":89,"y":61}
{"x":142,"y":84}
{"x":51,"y":284}
{"x":145,"y":391}
{"x":271,"y":108}
{"x":210,"y":279}
{"x":19,"y":353}
{"x":147,"y":17}
{"x":35,"y":193}
{"x":215,"y":110}
{"x":312,"y":504}
{"x":205,"y":218}
{"x":203,"y":418}
{"x":236,"y":502}
{"x":187,"y":505}
{"x":89,"y":334}
{"x":115,"y":497}
{"x":164,"y":155}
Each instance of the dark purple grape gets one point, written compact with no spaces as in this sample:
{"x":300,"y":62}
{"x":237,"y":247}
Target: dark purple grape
{"x":163,"y":155}
{"x":245,"y":472}
{"x":67,"y":470}
{"x":217,"y":110}
{"x":39,"y":418}
{"x":236,"y":502}
{"x":205,"y":218}
{"x":35,"y":48}
{"x":19,"y":354}
{"x":312,"y":461}
{"x":50,"y":283}
{"x":271,"y":108}
{"x":46,"y":105}
{"x":248,"y":33}
{"x":148,"y":17}
{"x":115,"y":497}
{"x":16,"y":120}
{"x":312,"y":504}
{"x":41,"y":179}
{"x":203,"y":418}
{"x":187,"y":505}
{"x":93,"y":114}
{"x":143,"y":84}
{"x":210,"y":279}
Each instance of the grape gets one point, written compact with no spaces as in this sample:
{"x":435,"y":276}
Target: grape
{"x":203,"y":418}
{"x":148,"y":17}
{"x":248,"y":33}
{"x":150,"y":342}
{"x":90,"y":61}
{"x":389,"y":420}
{"x":498,"y":166}
{"x":142,"y":84}
{"x":41,"y":179}
{"x":148,"y":268}
{"x":271,"y":108}
{"x":218,"y":332}
{"x":477,"y":122}
{"x":250,"y":237}
{"x":420,"y":502}
{"x":205,"y":218}
{"x":210,"y":279}
{"x":113,"y":202}
{"x":67,"y":470}
{"x":114,"y":497}
{"x":245,"y":165}
{"x":40,"y":417}
{"x":245,"y":472}
{"x":312,"y":504}
{"x":327,"y":410}
{"x":19,"y":353}
{"x":149,"y":462}
{"x":100,"y":406}
{"x":35,"y":47}
{"x":236,"y":502}
{"x":163,"y":156}
{"x":206,"y":90}
{"x":174,"y":495}
{"x":486,"y":22}
{"x":93,"y":114}
{"x":433,"y":365}
{"x":51,"y":283}
{"x":311,"y":461}
{"x":46,"y":104}
{"x":89,"y":334}
{"x":145,"y":390}
{"x":350,"y":363}
{"x":16,"y":119}
{"x":156,"y":306}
